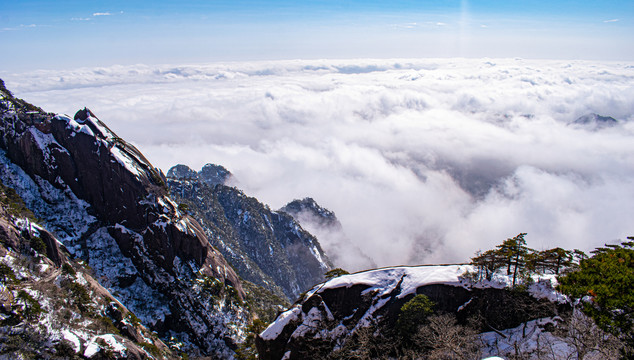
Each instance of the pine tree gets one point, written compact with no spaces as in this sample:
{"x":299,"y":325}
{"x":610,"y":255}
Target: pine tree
{"x":551,"y":260}
{"x":514,"y":251}
{"x":606,"y":281}
{"x":487,"y":263}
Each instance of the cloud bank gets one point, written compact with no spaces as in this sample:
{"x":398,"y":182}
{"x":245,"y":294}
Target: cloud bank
{"x":421,"y":160}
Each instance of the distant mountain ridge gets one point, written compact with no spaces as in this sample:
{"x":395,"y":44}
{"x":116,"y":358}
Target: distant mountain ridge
{"x":210,"y":174}
{"x":308,"y":207}
{"x":324,"y":224}
{"x":595,"y":122}
{"x":268,"y":248}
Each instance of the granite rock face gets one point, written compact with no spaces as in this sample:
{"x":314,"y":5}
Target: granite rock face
{"x":45,"y":294}
{"x":108,"y":205}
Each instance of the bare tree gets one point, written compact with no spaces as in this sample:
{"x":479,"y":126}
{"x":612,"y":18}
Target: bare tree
{"x":443,"y":339}
{"x":586,"y":339}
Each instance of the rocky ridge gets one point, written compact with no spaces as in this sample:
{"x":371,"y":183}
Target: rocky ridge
{"x":268,"y":248}
{"x":109,"y":206}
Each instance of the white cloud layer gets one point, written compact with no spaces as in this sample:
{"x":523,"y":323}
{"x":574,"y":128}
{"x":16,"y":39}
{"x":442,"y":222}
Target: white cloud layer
{"x":421,"y":160}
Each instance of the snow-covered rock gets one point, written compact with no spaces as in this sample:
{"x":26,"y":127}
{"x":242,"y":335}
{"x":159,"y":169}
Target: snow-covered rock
{"x":334,"y":310}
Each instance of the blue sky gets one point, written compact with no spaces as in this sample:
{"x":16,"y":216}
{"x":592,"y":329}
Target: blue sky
{"x":67,"y":34}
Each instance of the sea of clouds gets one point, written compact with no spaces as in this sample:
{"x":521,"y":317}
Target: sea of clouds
{"x":421,"y":160}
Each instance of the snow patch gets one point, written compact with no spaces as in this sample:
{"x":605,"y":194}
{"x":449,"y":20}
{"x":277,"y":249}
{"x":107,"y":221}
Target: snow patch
{"x":61,"y":211}
{"x":93,"y":347}
{"x":276,"y":328}
{"x":544,"y":288}
{"x":73,"y":339}
{"x":126,"y":161}
{"x":313,"y":249}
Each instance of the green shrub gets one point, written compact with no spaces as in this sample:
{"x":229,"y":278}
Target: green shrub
{"x":151,"y":348}
{"x":67,"y":269}
{"x":107,"y":325}
{"x":79,"y":295}
{"x":413,"y":314}
{"x":6,"y":274}
{"x":38,"y":245}
{"x":212,"y":286}
{"x":607,"y":278}
{"x":32,"y":308}
{"x":247,"y":350}
{"x":64,"y":349}
{"x":263,"y":302}
{"x":134,"y":319}
{"x":335,"y":273}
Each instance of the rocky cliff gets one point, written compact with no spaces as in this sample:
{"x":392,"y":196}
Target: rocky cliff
{"x":309,"y":211}
{"x":324,"y":224}
{"x":110,"y":207}
{"x":51,"y":306}
{"x":266,"y":247}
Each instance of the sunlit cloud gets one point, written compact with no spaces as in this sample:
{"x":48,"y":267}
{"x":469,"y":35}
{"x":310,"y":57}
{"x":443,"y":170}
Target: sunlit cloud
{"x":421,"y":160}
{"x":611,"y":20}
{"x":101,"y":14}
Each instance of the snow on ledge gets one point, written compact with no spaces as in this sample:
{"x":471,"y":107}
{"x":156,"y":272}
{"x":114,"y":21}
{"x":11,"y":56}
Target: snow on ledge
{"x":126,"y":161}
{"x":386,"y":279}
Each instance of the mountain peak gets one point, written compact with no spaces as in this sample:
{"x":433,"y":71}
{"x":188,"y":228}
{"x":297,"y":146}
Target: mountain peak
{"x":210,"y":174}
{"x":595,"y":121}
{"x":83,"y":114}
{"x":307,"y":208}
{"x":182,"y":172}
{"x":213,"y":174}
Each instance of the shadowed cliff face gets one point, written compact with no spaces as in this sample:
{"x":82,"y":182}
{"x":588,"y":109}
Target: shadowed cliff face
{"x":51,"y":305}
{"x":266,"y":247}
{"x":96,"y":191}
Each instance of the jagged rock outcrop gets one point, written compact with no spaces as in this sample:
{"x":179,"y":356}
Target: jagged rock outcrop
{"x":111,"y":207}
{"x":211,"y":174}
{"x":324,"y":224}
{"x":331,"y":313}
{"x":308,"y":209}
{"x":268,"y":248}
{"x":182,"y":172}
